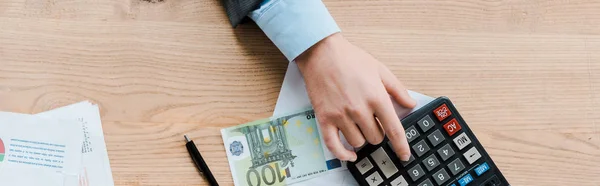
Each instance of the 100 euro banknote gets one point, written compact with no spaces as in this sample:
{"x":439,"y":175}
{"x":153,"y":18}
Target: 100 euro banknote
{"x":278,"y":151}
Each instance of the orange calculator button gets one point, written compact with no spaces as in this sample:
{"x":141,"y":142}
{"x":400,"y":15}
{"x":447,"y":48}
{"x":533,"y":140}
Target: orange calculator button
{"x":452,"y":127}
{"x":442,"y":112}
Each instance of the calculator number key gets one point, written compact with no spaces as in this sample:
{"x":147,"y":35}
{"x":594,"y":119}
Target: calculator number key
{"x":456,"y":166}
{"x":436,"y":138}
{"x":431,"y":162}
{"x":374,"y":179}
{"x":425,"y":123}
{"x":446,"y":152}
{"x":452,"y":127}
{"x":416,"y":172}
{"x":412,"y":133}
{"x":441,"y":176}
{"x":420,"y":148}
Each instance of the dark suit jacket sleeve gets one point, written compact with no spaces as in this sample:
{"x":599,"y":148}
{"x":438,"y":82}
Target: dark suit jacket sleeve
{"x":237,"y":10}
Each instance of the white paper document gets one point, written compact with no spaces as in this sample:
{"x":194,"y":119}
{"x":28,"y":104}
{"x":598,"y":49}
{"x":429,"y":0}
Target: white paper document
{"x":39,"y":151}
{"x":95,"y":169}
{"x":293,"y":97}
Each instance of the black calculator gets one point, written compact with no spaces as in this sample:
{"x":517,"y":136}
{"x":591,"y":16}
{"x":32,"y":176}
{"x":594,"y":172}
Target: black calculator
{"x":445,"y":152}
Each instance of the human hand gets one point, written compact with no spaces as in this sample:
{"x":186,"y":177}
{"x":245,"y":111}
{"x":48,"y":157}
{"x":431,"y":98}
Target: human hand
{"x":350,"y":92}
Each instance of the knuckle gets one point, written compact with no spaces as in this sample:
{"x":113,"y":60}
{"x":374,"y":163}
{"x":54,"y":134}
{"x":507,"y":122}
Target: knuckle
{"x":357,"y":143}
{"x":329,"y":142}
{"x":395,"y":134}
{"x":334,"y":115}
{"x":373,"y":99}
{"x":375,"y":139}
{"x":353,"y":110}
{"x":330,"y":117}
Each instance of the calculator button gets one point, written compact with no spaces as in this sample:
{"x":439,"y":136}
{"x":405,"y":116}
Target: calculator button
{"x":431,"y":162}
{"x":456,"y":166}
{"x":442,"y":112}
{"x":410,"y":160}
{"x":374,"y":179}
{"x":416,"y":172}
{"x":412,"y":133}
{"x":427,"y":182}
{"x":472,"y":155}
{"x":364,"y":165}
{"x":441,"y":176}
{"x":399,"y":181}
{"x":445,"y":152}
{"x":436,"y":138}
{"x":420,"y":148}
{"x":462,"y":141}
{"x":452,"y":127}
{"x":465,"y":180}
{"x":479,"y":170}
{"x":425,"y":123}
{"x":384,"y":163}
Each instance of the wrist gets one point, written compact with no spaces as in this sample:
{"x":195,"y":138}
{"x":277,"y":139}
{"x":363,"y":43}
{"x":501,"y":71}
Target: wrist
{"x":319,"y":51}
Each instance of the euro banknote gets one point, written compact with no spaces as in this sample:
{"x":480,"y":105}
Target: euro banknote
{"x":277,"y":151}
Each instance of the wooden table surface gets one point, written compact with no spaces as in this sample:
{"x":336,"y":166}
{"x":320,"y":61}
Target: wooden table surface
{"x":524,"y":73}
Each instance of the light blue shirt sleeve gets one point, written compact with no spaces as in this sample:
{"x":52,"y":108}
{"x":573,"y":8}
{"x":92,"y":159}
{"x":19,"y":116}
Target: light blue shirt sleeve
{"x":294,"y":25}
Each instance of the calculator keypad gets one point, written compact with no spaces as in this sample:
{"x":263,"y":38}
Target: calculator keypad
{"x":456,"y":166}
{"x":421,"y":148}
{"x":462,"y":141}
{"x":436,"y":138}
{"x":472,"y":155}
{"x":452,"y":127}
{"x":427,"y":182}
{"x":399,"y":181}
{"x":412,"y":133}
{"x":384,"y":162}
{"x":442,"y":112}
{"x":446,"y":152}
{"x":431,"y":162}
{"x":416,"y":172}
{"x":442,"y":153}
{"x":374,"y":179}
{"x":426,"y":123}
{"x":364,"y":165}
{"x":410,"y":160}
{"x":441,"y":176}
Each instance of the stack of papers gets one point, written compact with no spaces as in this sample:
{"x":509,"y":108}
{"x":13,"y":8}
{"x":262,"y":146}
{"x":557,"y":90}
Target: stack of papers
{"x":62,"y":147}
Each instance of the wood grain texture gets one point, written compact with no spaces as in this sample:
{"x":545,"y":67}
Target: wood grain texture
{"x":525,"y":74}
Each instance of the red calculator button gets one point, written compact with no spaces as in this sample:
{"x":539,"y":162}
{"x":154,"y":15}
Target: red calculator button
{"x":442,"y":112}
{"x":452,"y":127}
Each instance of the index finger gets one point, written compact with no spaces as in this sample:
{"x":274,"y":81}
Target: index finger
{"x":393,"y":129}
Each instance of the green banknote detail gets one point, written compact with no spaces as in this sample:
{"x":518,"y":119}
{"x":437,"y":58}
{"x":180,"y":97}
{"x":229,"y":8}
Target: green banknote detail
{"x":277,"y":151}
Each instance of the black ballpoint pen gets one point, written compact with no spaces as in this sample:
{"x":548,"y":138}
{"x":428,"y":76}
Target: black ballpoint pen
{"x":199,"y":161}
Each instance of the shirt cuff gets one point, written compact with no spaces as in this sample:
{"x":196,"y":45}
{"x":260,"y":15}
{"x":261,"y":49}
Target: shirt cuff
{"x":294,"y":25}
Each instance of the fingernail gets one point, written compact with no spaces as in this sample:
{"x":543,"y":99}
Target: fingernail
{"x":405,"y":157}
{"x":353,"y":158}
